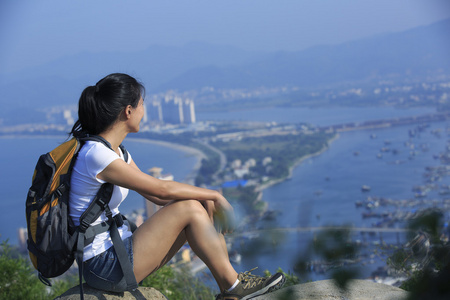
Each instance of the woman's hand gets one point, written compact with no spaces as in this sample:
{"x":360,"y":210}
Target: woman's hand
{"x":210,"y":209}
{"x":224,"y":215}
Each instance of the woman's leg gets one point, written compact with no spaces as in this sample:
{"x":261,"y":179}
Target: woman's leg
{"x":161,"y":236}
{"x":224,"y":244}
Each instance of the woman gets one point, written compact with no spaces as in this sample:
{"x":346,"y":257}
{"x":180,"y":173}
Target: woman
{"x":111,"y":109}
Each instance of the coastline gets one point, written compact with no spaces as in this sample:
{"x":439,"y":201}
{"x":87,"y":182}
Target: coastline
{"x":296,"y":164}
{"x":190,"y":150}
{"x":197,"y":153}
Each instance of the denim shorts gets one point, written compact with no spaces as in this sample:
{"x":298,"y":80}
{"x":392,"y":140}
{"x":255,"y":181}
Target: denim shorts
{"x":103,"y":271}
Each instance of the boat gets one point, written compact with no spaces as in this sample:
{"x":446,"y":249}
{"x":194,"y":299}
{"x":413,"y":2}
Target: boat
{"x":365,"y":188}
{"x":235,"y":257}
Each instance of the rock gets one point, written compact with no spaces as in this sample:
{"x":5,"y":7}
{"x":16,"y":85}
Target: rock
{"x":93,"y":294}
{"x":327,"y":290}
{"x":317,"y":290}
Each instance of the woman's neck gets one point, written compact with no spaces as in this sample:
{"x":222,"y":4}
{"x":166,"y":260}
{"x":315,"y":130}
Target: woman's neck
{"x":114,"y":136}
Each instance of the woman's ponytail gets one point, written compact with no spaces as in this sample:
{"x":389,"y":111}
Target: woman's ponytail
{"x":87,"y":110}
{"x":100,"y":105}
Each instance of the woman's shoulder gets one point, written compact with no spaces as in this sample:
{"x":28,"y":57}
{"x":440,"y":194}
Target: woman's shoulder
{"x":97,"y":154}
{"x":93,"y":147}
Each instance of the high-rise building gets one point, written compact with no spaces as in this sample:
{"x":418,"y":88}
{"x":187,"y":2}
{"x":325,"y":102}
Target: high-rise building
{"x":150,"y":207}
{"x":172,"y":109}
{"x":154,"y":111}
{"x":145,"y":117}
{"x":67,"y":113}
{"x":189,"y":111}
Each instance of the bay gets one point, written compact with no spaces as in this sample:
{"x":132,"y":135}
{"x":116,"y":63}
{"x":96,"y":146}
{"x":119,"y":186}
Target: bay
{"x":322,"y":190}
{"x":18,"y":156}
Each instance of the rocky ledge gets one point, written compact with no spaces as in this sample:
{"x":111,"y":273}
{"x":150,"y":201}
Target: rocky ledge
{"x":327,"y":290}
{"x":318,"y":290}
{"x":141,"y":293}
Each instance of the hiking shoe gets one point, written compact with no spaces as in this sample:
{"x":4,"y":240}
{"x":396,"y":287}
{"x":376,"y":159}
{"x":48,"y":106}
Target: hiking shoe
{"x":251,"y":286}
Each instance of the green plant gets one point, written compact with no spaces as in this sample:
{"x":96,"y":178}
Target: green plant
{"x":16,"y":277}
{"x":336,"y":252}
{"x":425,"y":259}
{"x":178,"y":283}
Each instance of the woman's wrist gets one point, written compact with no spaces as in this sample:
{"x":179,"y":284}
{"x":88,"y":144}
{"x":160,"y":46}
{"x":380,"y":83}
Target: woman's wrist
{"x":217,"y":196}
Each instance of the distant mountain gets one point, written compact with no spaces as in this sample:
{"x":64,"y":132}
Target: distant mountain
{"x":417,"y":52}
{"x":61,"y":81}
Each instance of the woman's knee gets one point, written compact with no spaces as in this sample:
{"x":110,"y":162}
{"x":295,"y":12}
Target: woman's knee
{"x":190,"y":207}
{"x":193,"y":205}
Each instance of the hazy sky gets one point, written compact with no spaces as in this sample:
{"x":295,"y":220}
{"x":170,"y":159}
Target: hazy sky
{"x":33,"y":32}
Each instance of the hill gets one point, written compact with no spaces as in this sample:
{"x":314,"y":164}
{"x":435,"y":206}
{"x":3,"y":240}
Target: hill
{"x":416,"y":53}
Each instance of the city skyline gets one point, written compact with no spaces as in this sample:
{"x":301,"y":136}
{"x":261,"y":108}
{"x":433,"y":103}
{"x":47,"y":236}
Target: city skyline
{"x":169,"y":109}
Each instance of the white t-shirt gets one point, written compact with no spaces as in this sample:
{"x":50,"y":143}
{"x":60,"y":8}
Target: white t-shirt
{"x":92,"y":159}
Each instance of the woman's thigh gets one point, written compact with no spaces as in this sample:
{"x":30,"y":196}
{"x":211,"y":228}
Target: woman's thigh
{"x":162,"y":235}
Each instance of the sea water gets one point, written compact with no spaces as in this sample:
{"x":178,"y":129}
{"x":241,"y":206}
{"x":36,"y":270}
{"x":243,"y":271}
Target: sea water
{"x":322,"y":190}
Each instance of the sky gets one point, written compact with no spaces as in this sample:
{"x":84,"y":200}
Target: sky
{"x":33,"y":32}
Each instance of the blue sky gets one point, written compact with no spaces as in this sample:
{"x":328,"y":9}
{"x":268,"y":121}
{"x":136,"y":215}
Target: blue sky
{"x":33,"y":32}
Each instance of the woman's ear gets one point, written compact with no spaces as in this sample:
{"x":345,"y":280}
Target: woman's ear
{"x":128,"y":111}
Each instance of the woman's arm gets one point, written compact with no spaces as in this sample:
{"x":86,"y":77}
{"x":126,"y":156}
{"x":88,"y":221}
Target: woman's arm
{"x":149,"y":197}
{"x":209,"y":205}
{"x":159,"y":191}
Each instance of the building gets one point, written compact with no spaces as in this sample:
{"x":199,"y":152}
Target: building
{"x":67,"y":113}
{"x":154,"y":112}
{"x":150,"y":207}
{"x":188,"y":111}
{"x":145,"y":117}
{"x":172,"y":110}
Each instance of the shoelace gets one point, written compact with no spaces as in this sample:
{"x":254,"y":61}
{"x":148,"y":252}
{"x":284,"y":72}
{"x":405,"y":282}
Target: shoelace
{"x":249,"y":280}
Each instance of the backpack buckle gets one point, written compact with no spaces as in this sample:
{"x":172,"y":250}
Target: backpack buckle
{"x":60,"y":190}
{"x":119,"y":220}
{"x":84,"y":225}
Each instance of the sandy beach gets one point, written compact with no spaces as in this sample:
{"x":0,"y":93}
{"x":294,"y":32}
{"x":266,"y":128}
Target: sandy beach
{"x":189,"y":150}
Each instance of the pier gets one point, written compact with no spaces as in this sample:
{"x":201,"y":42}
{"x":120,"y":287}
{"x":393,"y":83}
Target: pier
{"x":324,"y":228}
{"x":385,"y":123}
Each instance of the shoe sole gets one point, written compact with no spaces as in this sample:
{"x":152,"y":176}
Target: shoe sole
{"x":275,"y":285}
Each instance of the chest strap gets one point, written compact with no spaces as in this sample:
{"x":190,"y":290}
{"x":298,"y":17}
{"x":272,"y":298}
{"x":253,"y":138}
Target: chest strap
{"x":92,"y":231}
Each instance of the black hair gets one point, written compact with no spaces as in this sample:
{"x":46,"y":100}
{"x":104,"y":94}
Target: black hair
{"x":100,"y":105}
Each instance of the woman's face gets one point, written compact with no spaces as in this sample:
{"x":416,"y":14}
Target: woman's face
{"x":137,"y":114}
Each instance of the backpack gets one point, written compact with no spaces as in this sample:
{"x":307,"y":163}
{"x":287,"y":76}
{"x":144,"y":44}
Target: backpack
{"x":54,"y":242}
